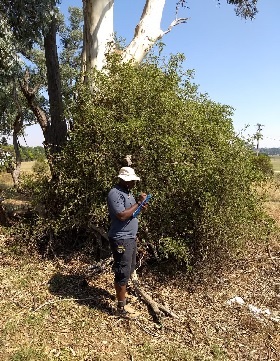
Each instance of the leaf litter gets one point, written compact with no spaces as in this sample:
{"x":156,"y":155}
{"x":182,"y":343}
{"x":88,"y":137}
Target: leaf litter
{"x":60,"y":311}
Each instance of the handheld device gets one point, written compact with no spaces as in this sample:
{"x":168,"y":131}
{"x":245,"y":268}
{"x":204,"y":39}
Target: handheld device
{"x":135,"y":214}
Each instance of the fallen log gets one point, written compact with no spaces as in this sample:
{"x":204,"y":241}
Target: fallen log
{"x":155,"y":306}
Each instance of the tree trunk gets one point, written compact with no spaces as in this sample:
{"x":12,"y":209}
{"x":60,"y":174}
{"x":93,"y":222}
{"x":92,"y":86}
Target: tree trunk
{"x":15,"y":171}
{"x":29,"y":95}
{"x":98,"y":32}
{"x":147,"y":32}
{"x":4,"y":220}
{"x":56,"y":131}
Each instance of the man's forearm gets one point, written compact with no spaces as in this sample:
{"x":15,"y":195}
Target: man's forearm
{"x":127,"y":213}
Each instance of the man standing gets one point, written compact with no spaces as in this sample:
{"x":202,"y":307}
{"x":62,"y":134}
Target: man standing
{"x":122,"y":233}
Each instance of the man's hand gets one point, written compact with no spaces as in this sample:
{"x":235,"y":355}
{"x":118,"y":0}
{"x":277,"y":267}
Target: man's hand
{"x":145,"y":207}
{"x":141,"y":197}
{"x":127,"y":213}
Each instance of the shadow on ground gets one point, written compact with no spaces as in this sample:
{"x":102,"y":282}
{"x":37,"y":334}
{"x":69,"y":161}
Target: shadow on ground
{"x":76,"y":287}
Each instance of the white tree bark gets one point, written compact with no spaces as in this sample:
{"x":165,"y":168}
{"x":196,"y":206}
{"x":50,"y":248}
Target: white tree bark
{"x":147,"y":32}
{"x":98,"y":32}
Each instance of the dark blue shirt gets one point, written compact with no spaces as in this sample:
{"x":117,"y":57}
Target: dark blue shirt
{"x":118,"y":200}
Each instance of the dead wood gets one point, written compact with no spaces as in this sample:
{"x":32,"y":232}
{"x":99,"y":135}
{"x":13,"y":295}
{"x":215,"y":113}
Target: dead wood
{"x":155,"y":306}
{"x":271,"y":257}
{"x":101,"y":266}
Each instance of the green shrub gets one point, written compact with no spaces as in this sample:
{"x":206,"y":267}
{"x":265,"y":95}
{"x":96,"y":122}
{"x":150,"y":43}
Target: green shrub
{"x":183,"y":145}
{"x":263,"y":163}
{"x":40,"y":166}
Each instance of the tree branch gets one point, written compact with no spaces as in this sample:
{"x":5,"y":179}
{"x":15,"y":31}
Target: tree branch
{"x":174,"y":23}
{"x":148,"y":31}
{"x":36,"y":109}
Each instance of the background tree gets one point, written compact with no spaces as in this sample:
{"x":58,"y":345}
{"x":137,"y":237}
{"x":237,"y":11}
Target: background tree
{"x":31,"y":78}
{"x":14,"y":117}
{"x":40,"y":21}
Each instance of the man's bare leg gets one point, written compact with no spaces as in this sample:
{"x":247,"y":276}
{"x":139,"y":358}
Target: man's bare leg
{"x":123,"y":308}
{"x":120,"y":293}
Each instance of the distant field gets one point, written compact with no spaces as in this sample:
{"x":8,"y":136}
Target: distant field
{"x":27,"y":166}
{"x":275,"y":160}
{"x":6,"y":178}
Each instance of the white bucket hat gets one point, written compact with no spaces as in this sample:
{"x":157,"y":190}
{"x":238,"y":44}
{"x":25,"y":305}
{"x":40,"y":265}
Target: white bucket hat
{"x":128,"y":174}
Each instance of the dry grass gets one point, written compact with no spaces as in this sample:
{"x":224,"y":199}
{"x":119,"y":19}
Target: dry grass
{"x":275,"y":160}
{"x":13,"y":199}
{"x":49,"y":312}
{"x":26,"y":167}
{"x":6,"y":180}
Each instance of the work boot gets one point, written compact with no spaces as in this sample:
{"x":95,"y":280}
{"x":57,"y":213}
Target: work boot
{"x":127,"y":312}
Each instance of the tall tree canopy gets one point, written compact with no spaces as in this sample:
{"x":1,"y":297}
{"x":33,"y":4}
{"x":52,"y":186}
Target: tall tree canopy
{"x":99,"y":32}
{"x":31,"y":23}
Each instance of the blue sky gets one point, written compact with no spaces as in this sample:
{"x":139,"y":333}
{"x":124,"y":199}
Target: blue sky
{"x":236,"y":62}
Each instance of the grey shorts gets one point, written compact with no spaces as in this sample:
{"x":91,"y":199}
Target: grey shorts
{"x":124,"y":253}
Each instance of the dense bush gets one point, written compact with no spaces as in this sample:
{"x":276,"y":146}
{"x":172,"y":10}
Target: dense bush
{"x":40,"y":166}
{"x":263,"y":163}
{"x":183,"y":146}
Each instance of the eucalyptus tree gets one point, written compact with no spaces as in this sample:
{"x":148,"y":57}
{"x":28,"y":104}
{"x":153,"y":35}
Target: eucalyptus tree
{"x":9,"y":67}
{"x":32,"y":23}
{"x":71,"y":39}
{"x":11,"y":110}
{"x":8,"y":56}
{"x":99,"y":30}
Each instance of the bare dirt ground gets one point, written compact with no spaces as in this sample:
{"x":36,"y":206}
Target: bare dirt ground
{"x":60,"y":311}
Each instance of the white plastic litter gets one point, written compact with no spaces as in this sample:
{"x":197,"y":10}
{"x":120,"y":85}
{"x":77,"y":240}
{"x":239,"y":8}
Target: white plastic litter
{"x":256,"y":311}
{"x":236,"y":299}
